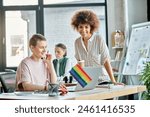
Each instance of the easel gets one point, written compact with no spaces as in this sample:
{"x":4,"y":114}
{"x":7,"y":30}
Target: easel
{"x":138,"y":49}
{"x":135,"y":55}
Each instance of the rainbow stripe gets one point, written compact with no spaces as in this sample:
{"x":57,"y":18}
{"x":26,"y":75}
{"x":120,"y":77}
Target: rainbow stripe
{"x":80,"y":75}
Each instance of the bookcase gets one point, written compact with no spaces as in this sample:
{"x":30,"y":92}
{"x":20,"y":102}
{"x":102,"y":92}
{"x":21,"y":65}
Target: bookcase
{"x":117,"y":51}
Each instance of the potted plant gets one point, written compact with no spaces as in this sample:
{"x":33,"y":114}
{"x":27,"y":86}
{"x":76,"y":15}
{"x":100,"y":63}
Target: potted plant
{"x":145,"y":78}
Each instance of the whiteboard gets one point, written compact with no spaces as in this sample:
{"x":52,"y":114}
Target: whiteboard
{"x":138,"y":49}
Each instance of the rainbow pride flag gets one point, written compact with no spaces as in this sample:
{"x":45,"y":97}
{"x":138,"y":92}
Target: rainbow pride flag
{"x":80,"y":75}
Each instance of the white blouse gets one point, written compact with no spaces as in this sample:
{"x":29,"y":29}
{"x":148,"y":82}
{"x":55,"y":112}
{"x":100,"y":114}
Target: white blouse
{"x":95,"y":54}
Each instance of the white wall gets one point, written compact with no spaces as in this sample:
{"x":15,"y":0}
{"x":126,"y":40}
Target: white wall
{"x":123,"y":13}
{"x":116,"y":20}
{"x":136,"y":12}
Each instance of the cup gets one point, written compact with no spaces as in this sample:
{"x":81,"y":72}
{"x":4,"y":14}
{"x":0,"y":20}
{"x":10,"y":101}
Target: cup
{"x":81,"y":63}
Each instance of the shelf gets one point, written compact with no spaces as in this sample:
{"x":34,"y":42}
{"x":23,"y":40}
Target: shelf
{"x":117,"y":73}
{"x":115,"y":61}
{"x":117,"y":47}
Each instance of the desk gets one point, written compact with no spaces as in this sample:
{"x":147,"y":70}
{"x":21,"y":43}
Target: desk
{"x":95,"y":94}
{"x":0,"y":82}
{"x":0,"y":88}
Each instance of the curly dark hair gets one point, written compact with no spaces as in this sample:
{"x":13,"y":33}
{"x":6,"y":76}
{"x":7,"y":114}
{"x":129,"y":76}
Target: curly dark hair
{"x":85,"y":17}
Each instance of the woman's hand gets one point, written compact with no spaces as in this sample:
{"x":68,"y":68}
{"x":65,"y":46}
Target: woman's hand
{"x":118,"y":83}
{"x":48,"y":59}
{"x":63,"y":89}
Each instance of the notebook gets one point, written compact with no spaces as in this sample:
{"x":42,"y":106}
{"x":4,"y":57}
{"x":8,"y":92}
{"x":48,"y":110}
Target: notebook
{"x":94,"y":73}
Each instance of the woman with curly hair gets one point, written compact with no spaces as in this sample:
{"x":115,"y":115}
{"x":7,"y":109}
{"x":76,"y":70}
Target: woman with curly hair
{"x":90,"y":46}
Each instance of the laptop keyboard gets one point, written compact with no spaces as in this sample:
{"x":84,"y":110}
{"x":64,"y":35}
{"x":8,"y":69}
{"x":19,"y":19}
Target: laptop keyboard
{"x":40,"y":92}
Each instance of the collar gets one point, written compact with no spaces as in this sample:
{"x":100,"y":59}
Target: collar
{"x":91,"y":39}
{"x":60,"y":60}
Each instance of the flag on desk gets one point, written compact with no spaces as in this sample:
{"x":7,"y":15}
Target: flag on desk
{"x":80,"y":75}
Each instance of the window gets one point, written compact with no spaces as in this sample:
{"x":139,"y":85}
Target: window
{"x":72,"y":1}
{"x":57,"y":27}
{"x":19,"y":27}
{"x":20,"y":20}
{"x":19,"y":2}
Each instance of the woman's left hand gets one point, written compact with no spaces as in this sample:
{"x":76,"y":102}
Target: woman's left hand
{"x":48,"y":59}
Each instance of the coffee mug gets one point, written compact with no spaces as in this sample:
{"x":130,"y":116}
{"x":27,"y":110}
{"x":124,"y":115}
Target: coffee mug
{"x":81,"y":63}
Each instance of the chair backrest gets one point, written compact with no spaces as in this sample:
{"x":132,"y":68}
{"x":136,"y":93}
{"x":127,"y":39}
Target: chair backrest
{"x":8,"y":81}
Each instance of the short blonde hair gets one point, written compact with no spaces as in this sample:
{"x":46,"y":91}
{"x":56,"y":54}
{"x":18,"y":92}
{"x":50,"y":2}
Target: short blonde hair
{"x":35,"y":38}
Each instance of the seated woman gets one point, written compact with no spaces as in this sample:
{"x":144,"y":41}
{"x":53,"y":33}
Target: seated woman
{"x":62,"y":64}
{"x":35,"y":71}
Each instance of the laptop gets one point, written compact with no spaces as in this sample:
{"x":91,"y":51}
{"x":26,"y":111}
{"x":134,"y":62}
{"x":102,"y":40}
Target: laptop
{"x":94,"y":73}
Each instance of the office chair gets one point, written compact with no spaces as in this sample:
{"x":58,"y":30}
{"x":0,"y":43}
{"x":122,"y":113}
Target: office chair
{"x":8,"y":81}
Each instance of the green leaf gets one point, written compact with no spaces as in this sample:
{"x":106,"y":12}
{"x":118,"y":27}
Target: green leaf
{"x":145,"y":78}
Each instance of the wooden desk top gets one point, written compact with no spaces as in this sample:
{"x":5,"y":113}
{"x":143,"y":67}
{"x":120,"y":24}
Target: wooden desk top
{"x":95,"y":94}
